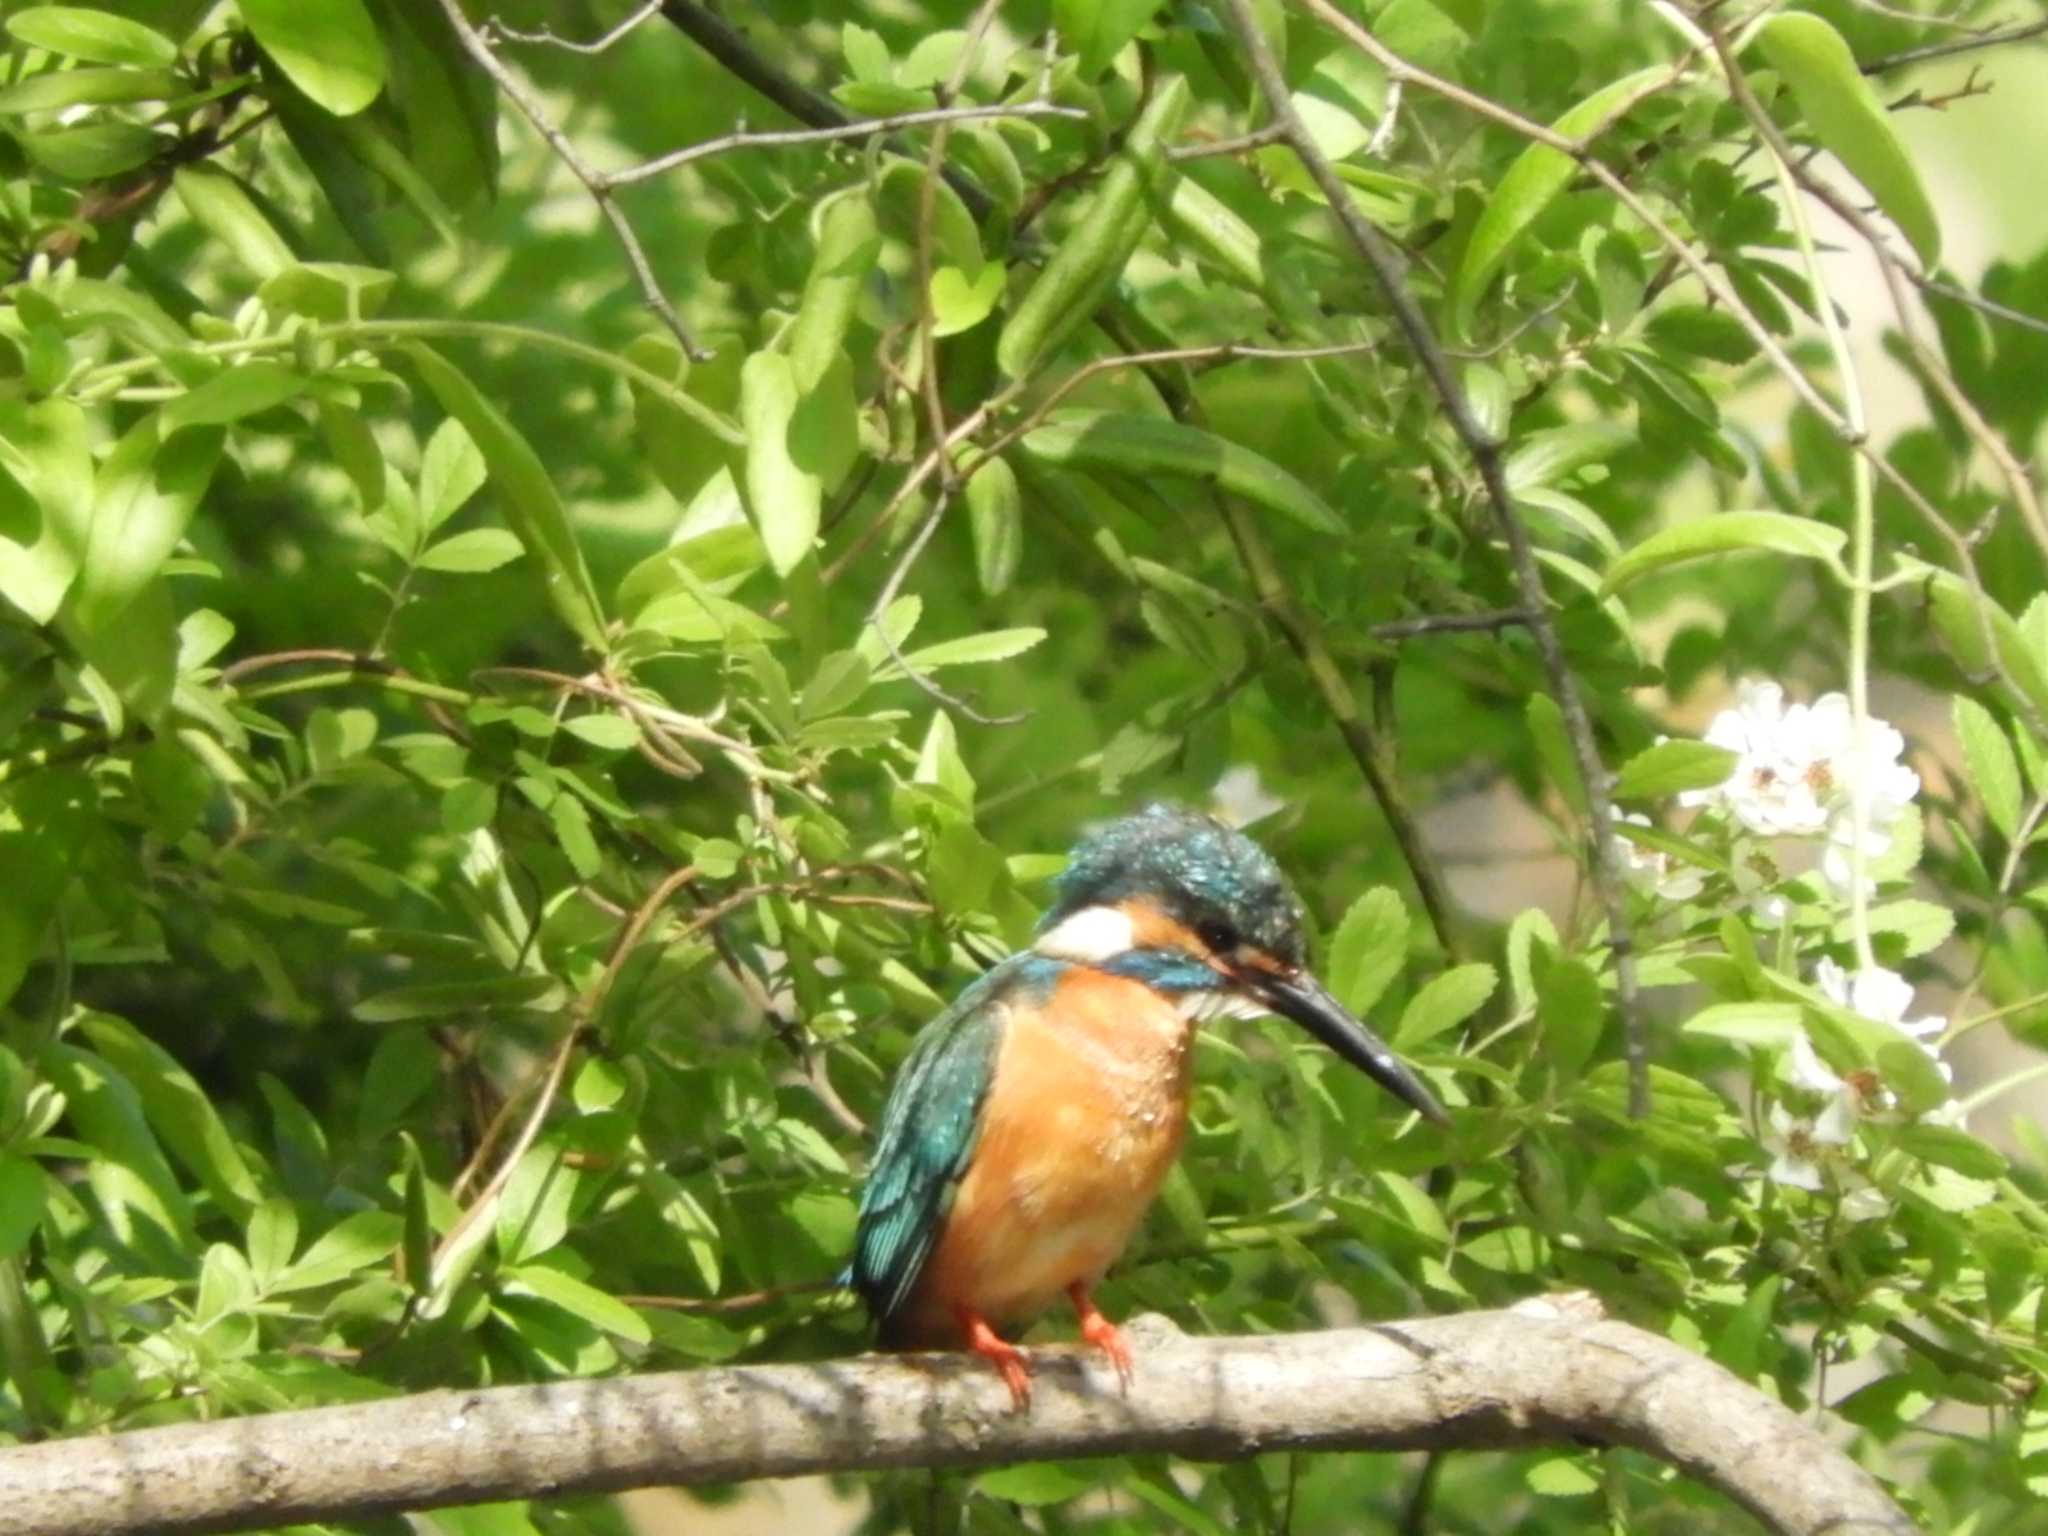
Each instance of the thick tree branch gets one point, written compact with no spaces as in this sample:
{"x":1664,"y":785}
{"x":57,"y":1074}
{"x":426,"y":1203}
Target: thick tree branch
{"x":1546,"y":1373}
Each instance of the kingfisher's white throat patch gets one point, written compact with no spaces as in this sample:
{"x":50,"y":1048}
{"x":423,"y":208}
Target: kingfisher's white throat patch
{"x":1090,"y":936}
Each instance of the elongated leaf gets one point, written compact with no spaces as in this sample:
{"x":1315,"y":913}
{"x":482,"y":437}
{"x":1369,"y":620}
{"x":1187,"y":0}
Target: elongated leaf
{"x":1671,"y":766}
{"x":995,"y":517}
{"x":240,"y":391}
{"x":329,"y":48}
{"x":1536,"y":177}
{"x":218,"y":205}
{"x":477,"y":549}
{"x":784,"y":497}
{"x":576,"y":1296}
{"x":1123,"y":443}
{"x":435,"y":999}
{"x":1444,"y":1003}
{"x":147,"y":490}
{"x":1751,"y":1023}
{"x":1845,"y":114}
{"x":1098,"y":30}
{"x":46,"y":501}
{"x":22,"y":1192}
{"x":1368,"y":949}
{"x":179,"y":1111}
{"x":1994,"y":770}
{"x":1724,"y":532}
{"x":94,"y":36}
{"x":532,"y":505}
{"x":973,"y":650}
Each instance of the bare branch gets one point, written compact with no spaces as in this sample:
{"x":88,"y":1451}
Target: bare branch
{"x":1948,"y":50}
{"x":1385,"y":262}
{"x":1450,"y":623}
{"x":522,"y":96}
{"x":863,"y":128}
{"x":1545,"y":1373}
{"x":494,"y":30}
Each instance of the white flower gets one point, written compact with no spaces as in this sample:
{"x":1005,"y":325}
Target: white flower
{"x":1799,"y":1146}
{"x":1656,"y":871}
{"x":1858,"y":1096}
{"x":1878,"y":994}
{"x":1796,"y":767}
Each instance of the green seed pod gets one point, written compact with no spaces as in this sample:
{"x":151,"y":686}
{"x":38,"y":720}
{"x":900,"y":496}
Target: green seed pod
{"x":1087,"y":265}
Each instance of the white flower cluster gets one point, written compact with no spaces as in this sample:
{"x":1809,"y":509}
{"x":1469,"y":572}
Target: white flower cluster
{"x":1801,"y":1146}
{"x":1795,"y":765}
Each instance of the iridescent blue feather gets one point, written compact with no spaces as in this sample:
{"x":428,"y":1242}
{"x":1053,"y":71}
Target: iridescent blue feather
{"x":929,"y":1129}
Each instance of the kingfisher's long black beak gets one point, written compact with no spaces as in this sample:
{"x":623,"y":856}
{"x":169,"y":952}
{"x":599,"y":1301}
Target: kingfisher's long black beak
{"x":1308,"y":1002}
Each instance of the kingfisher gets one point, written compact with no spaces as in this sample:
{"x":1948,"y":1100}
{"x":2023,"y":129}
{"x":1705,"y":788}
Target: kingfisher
{"x":1034,"y":1120}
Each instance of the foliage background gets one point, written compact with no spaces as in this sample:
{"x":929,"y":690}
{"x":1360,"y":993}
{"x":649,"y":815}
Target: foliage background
{"x":366,"y":703}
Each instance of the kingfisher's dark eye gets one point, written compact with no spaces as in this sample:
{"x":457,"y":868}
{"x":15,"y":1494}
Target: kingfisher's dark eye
{"x":1218,"y":935}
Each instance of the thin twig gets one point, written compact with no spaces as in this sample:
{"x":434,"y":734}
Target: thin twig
{"x":1385,"y":263}
{"x":863,"y":128}
{"x":1450,"y":623}
{"x":1948,"y":50}
{"x":495,"y":30}
{"x":529,"y":105}
{"x":725,"y":43}
{"x":1258,"y":138}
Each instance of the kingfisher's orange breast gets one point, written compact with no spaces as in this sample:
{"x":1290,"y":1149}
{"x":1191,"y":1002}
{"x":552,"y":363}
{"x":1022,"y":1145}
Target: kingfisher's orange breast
{"x":1085,"y":1113}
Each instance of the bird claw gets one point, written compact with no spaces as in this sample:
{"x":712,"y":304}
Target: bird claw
{"x":1010,"y":1361}
{"x":1105,"y":1336}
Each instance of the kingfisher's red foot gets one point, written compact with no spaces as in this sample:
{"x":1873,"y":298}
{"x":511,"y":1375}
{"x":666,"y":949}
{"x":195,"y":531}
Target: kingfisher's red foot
{"x":1103,"y":1334}
{"x":1006,"y":1357}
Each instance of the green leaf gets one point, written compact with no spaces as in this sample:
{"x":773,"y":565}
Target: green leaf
{"x":1444,"y":1002}
{"x":1098,"y":30}
{"x":1994,"y":771}
{"x":93,"y":151}
{"x":354,"y":1243}
{"x":1554,"y":748}
{"x":960,"y":302}
{"x":474,"y":550}
{"x":1947,"y":1147}
{"x":219,"y":205}
{"x":1726,"y":531}
{"x":61,"y":88}
{"x":1672,"y":766}
{"x":1775,"y":1025}
{"x":1368,"y":949}
{"x":528,"y":495}
{"x":1571,"y":1014}
{"x":328,"y":290}
{"x":1125,"y":443}
{"x":1551,"y":456}
{"x":609,"y":733}
{"x":179,"y":1111}
{"x":995,"y":518}
{"x":1848,"y":118}
{"x":92,"y":35}
{"x":437,"y":999}
{"x":106,"y":1111}
{"x":1039,"y":1483}
{"x":1913,"y":1075}
{"x":1923,"y":925}
{"x":451,"y":471}
{"x":46,"y":501}
{"x":784,"y":496}
{"x":147,"y":490}
{"x":272,"y":1237}
{"x":22,"y":1192}
{"x":1561,"y":1477}
{"x":329,"y":50}
{"x":240,"y":391}
{"x":575,"y":1296}
{"x":1536,"y":177}
{"x":975,"y":650}
{"x":1739,"y":1344}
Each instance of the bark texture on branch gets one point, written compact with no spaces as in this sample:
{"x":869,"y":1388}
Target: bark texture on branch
{"x":1549,"y":1372}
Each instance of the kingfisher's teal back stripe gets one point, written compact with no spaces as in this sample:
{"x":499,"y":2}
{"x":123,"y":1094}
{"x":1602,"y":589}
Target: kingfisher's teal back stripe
{"x":929,"y":1129}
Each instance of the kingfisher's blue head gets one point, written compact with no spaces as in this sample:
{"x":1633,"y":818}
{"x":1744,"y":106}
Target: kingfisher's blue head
{"x":1199,"y":911}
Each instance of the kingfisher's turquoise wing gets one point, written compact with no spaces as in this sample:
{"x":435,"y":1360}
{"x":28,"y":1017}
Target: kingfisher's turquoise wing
{"x":929,"y":1129}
